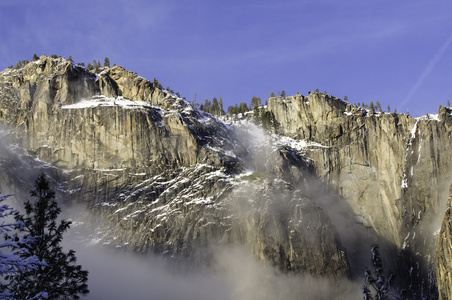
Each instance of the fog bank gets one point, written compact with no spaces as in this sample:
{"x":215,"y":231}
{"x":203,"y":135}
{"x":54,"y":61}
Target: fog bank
{"x":233,"y":275}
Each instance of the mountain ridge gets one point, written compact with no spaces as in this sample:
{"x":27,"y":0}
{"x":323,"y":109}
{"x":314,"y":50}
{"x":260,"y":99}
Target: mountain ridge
{"x":131,"y":151}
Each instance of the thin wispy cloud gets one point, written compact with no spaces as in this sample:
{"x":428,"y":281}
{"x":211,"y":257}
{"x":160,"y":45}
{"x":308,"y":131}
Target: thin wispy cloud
{"x":426,"y":73}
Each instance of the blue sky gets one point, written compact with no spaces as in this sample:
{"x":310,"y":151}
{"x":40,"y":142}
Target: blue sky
{"x":396,"y":52}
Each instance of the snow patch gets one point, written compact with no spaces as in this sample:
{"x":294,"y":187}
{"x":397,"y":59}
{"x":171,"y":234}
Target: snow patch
{"x":433,"y":117}
{"x":404,"y":183}
{"x":110,"y":102}
{"x":109,"y":170}
{"x":413,"y":131}
{"x":405,"y":241}
{"x":299,"y":145}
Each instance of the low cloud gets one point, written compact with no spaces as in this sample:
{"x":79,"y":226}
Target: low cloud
{"x":122,"y":275}
{"x":234,"y":274}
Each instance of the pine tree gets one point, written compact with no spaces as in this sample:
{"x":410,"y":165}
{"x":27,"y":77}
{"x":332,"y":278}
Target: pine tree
{"x":255,"y":102}
{"x":207,"y":107}
{"x":379,"y":283}
{"x":372,"y":107}
{"x":283,"y":94}
{"x":231,"y":110}
{"x":243,"y":108}
{"x":107,"y":62}
{"x":11,"y":262}
{"x":220,"y":103}
{"x":157,"y":84}
{"x":61,"y":278}
{"x":215,"y":106}
{"x":378,"y":105}
{"x":35,"y":57}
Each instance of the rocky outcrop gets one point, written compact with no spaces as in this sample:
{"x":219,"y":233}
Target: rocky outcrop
{"x":444,"y":254}
{"x":159,"y":175}
{"x":391,"y":169}
{"x":361,"y":156}
{"x":68,"y":122}
{"x":117,"y":81}
{"x":378,"y":162}
{"x":200,"y":207}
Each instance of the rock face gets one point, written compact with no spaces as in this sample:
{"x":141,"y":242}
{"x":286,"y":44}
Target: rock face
{"x":382,"y":164}
{"x":391,"y":169}
{"x":444,"y":254}
{"x":159,"y":175}
{"x":68,"y":122}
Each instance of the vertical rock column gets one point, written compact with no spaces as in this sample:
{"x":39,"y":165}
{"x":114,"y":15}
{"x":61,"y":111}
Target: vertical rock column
{"x":444,"y":255}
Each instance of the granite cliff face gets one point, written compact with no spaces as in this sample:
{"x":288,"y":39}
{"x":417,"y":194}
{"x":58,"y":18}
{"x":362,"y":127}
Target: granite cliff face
{"x":67,"y":121}
{"x":375,"y":161}
{"x":392,"y":170}
{"x":159,"y":175}
{"x":444,"y":255}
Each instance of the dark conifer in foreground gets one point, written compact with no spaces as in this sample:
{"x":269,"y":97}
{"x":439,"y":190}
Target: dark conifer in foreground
{"x":12,"y":249}
{"x":380,"y":285}
{"x":61,"y":278}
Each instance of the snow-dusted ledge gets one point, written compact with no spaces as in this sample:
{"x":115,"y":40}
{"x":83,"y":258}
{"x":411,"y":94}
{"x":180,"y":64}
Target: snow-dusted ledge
{"x":106,"y":101}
